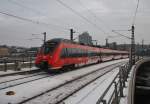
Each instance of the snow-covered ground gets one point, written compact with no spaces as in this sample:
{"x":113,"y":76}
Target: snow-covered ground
{"x":127,"y":92}
{"x":54,"y":96}
{"x":20,"y":76}
{"x":21,"y":80}
{"x":91,"y":93}
{"x":28,"y":90}
{"x":11,"y":67}
{"x":1,"y":64}
{"x":12,"y":71}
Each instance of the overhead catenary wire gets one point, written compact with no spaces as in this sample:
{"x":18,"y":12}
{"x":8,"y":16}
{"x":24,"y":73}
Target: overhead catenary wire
{"x":135,"y":13}
{"x":18,"y":17}
{"x":133,"y":23}
{"x":31,"y":9}
{"x":80,"y":15}
{"x":107,"y":26}
{"x":36,"y":11}
{"x":32,"y":21}
{"x":26,"y":7}
{"x":95,"y":16}
{"x":121,"y":34}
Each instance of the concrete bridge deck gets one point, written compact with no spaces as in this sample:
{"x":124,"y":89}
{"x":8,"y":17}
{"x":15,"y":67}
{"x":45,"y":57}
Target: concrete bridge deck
{"x":139,"y":83}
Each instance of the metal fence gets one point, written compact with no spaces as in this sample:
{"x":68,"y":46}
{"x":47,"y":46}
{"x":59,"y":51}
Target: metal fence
{"x":116,"y":86}
{"x":15,"y":64}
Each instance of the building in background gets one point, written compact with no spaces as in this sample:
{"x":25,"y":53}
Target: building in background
{"x":112,"y":45}
{"x":85,"y":38}
{"x":4,"y":51}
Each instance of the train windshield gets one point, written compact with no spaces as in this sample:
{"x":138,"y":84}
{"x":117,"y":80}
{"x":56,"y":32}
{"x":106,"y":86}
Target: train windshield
{"x":49,"y":47}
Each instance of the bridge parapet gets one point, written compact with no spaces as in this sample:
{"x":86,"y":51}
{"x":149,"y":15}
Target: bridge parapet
{"x":138,"y":82}
{"x":115,"y":90}
{"x":15,"y":65}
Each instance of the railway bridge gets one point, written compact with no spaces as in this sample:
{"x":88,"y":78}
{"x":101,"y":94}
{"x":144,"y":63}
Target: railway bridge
{"x":139,"y":83}
{"x":132,"y":86}
{"x":112,"y":82}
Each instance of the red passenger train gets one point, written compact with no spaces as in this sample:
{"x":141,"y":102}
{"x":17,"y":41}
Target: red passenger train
{"x":58,"y":53}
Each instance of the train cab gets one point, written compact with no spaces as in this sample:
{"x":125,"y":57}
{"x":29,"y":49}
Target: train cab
{"x":46,"y":53}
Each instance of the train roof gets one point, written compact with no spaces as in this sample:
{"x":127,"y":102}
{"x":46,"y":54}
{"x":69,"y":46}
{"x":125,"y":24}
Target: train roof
{"x":60,"y":40}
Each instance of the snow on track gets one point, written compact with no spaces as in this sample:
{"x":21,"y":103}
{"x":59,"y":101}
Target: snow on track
{"x":28,"y":90}
{"x":22,"y":80}
{"x":91,"y":93}
{"x":15,"y":77}
{"x":60,"y":93}
{"x":2,"y":72}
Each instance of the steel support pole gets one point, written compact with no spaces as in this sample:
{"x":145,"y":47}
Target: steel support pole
{"x":133,"y":46}
{"x":44,"y":37}
{"x":132,"y":50}
{"x":71,"y":34}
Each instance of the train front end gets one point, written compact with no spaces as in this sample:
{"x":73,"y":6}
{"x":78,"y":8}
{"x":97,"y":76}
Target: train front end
{"x":45,"y":57}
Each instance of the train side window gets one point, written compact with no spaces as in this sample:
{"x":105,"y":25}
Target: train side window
{"x":69,"y":50}
{"x":88,"y":53}
{"x":81,"y":53}
{"x":84,"y":53}
{"x":64,"y":53}
{"x":75,"y":52}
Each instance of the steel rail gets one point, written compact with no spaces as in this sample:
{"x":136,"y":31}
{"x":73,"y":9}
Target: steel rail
{"x":21,"y":72}
{"x":34,"y":79}
{"x":23,"y":82}
{"x":70,"y":81}
{"x":22,"y":77}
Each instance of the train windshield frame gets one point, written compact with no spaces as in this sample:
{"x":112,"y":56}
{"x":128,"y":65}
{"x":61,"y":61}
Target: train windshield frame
{"x":49,"y":47}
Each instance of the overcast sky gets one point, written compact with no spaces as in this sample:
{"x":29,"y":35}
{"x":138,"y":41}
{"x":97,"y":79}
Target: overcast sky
{"x":103,"y":16}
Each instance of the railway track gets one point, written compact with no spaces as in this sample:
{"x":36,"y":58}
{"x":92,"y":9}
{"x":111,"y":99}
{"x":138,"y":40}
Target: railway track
{"x":23,"y":80}
{"x":21,"y":73}
{"x":31,"y":96}
{"x":30,"y":76}
{"x":63,"y":91}
{"x":39,"y":70}
{"x":37,"y":75}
